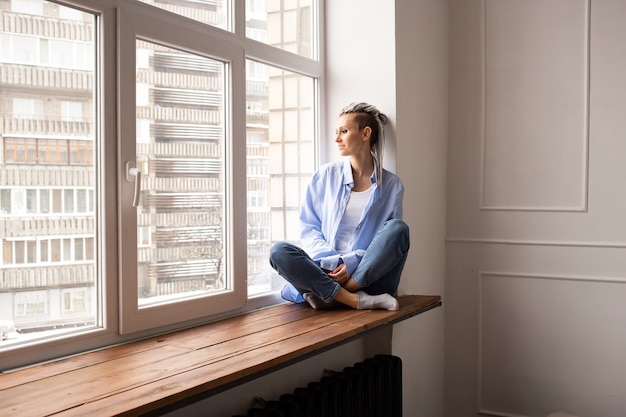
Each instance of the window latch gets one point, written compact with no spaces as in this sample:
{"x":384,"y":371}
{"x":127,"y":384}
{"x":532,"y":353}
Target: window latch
{"x":134,"y":174}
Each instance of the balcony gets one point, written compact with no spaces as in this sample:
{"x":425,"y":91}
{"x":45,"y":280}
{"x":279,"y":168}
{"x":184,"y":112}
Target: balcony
{"x":46,"y":27}
{"x":35,"y":277}
{"x":38,"y":226}
{"x":45,"y":127}
{"x":45,"y":78}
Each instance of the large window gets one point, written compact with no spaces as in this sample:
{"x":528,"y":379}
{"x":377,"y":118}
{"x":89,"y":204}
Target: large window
{"x":148,"y":163}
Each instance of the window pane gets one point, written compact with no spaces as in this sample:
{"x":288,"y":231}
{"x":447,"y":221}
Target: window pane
{"x":212,"y":12}
{"x":286,"y":25}
{"x":27,"y":6}
{"x":57,"y":201}
{"x":280,"y":161}
{"x":69,"y":201}
{"x":31,"y":305}
{"x":31,"y":251}
{"x":79,"y":249}
{"x":20,"y":252}
{"x":180,"y":221}
{"x":81,"y":201}
{"x":46,"y":105}
{"x":67,"y":250}
{"x":55,"y":245}
{"x":75,"y":301}
{"x":43,"y":250}
{"x":71,"y":111}
{"x":44,"y":201}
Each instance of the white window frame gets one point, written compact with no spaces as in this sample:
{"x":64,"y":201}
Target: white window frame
{"x":146,"y":23}
{"x":118,"y":24}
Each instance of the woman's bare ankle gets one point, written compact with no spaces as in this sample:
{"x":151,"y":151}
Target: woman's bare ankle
{"x":347,"y":298}
{"x":351,"y":285}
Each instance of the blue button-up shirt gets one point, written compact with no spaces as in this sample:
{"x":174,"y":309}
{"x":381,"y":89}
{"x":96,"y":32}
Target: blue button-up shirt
{"x":325,"y":202}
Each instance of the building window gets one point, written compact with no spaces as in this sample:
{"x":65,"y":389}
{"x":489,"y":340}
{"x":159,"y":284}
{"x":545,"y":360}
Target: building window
{"x":75,"y":301}
{"x":33,"y":7}
{"x":31,"y":305}
{"x":28,"y":108}
{"x":71,"y":111}
{"x":50,"y":134}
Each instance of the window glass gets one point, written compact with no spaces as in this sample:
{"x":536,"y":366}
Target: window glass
{"x":34,"y":7}
{"x":81,"y":201}
{"x":287,"y":25}
{"x":43,"y":250}
{"x":55,"y":247}
{"x":280,"y":161}
{"x":31,"y":251}
{"x":57,"y":200}
{"x":45,"y":107}
{"x":31,"y":307}
{"x":75,"y":302}
{"x":67,"y":250}
{"x":28,"y":108}
{"x":44,"y":201}
{"x":180,"y":219}
{"x":71,"y":111}
{"x":5,"y":201}
{"x":19,"y":49}
{"x":20,"y":251}
{"x":68,"y":196}
{"x":212,"y":12}
{"x":31,"y":201}
{"x":79,"y":244}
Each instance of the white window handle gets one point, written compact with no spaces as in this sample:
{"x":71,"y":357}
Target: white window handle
{"x":132,"y":171}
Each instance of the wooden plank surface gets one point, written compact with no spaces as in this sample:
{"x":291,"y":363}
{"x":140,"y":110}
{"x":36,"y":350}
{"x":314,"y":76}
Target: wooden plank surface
{"x":143,"y":376}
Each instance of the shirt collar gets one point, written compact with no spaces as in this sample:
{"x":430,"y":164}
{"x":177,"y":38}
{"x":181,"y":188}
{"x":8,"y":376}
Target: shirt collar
{"x":348,"y":179}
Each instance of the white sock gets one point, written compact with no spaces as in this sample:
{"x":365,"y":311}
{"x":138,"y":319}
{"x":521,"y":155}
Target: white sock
{"x":373,"y":302}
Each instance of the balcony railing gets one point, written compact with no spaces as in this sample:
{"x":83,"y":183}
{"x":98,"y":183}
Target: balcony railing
{"x":35,"y":77}
{"x":31,"y":226}
{"x":35,"y":277}
{"x":45,"y":127}
{"x":46,"y":26}
{"x":47,"y":176}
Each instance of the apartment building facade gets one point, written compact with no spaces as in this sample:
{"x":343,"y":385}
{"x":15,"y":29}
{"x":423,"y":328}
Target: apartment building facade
{"x":49,"y":160}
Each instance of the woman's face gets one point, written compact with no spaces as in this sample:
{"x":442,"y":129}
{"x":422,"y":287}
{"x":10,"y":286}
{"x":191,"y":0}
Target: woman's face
{"x":350,"y":140}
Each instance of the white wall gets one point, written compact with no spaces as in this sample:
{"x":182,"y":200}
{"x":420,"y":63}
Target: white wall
{"x":394,"y":55}
{"x":360,"y":64}
{"x":535,"y":285}
{"x":422,"y":129}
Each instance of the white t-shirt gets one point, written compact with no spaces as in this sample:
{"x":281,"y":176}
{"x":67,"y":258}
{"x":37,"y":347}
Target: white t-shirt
{"x":350,"y":220}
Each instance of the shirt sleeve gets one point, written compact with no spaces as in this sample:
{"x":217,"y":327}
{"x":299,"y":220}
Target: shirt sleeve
{"x":313,"y":239}
{"x":352,"y":260}
{"x":397,"y":201}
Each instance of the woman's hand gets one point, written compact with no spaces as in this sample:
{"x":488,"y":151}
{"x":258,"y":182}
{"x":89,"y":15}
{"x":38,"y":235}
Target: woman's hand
{"x":340,"y":274}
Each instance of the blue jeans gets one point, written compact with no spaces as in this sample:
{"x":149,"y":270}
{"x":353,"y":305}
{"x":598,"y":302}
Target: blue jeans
{"x":378,"y":272}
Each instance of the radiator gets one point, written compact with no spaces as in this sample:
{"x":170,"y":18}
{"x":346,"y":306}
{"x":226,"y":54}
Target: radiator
{"x":371,"y":388}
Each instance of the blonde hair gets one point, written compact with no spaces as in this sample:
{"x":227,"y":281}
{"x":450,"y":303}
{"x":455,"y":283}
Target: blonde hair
{"x":365,"y":114}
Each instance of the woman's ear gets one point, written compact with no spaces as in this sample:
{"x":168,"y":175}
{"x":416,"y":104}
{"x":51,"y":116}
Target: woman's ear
{"x":367,"y":132}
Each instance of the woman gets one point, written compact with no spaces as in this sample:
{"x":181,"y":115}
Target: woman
{"x":354,"y":241}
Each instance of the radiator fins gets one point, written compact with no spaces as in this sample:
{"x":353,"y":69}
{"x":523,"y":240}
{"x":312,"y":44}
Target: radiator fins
{"x":371,"y":388}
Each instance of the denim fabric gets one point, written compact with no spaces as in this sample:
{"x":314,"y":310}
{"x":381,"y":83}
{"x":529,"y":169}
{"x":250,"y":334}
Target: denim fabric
{"x":378,"y":272}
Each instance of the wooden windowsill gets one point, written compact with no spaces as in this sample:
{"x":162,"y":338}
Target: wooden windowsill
{"x":145,"y":376}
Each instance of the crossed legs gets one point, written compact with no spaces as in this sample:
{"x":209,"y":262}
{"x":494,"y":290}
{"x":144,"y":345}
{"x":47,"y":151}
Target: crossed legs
{"x":373,"y":284}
